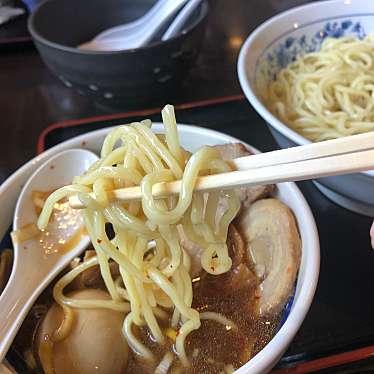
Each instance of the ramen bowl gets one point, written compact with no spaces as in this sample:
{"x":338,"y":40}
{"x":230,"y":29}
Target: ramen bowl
{"x":193,"y":138}
{"x":119,"y":78}
{"x":281,"y":40}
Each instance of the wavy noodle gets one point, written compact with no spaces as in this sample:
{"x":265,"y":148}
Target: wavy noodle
{"x":327,"y":94}
{"x":217,"y":317}
{"x":154,"y":282}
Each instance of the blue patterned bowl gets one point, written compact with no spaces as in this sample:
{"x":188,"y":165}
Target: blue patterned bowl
{"x":279,"y":41}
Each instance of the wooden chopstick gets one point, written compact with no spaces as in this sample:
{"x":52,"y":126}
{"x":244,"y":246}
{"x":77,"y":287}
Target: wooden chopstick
{"x":348,"y":144}
{"x":334,"y":157}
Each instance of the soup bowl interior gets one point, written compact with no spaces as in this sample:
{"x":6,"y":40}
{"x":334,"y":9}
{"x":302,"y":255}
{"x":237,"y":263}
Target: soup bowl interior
{"x":193,"y":138}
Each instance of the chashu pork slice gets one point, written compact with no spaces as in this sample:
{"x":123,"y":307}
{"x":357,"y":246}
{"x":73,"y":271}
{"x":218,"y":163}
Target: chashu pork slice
{"x":273,"y":244}
{"x":247,"y":195}
{"x":240,"y":275}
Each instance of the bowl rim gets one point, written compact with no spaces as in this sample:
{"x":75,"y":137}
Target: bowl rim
{"x":247,"y":86}
{"x":272,"y":352}
{"x":204,"y":9}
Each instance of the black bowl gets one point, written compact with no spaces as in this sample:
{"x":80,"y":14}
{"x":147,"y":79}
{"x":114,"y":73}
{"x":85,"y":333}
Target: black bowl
{"x":129,"y":77}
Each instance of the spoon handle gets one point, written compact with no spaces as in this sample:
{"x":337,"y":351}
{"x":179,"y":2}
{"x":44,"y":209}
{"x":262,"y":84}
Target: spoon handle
{"x":163,"y":8}
{"x":15,"y":302}
{"x":180,"y":20}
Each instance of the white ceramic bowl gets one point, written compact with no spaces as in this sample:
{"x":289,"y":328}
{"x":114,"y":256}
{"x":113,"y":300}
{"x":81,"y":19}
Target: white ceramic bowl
{"x":281,"y":39}
{"x":193,"y":138}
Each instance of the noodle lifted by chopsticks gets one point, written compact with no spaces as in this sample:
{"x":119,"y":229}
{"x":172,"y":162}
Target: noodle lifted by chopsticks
{"x":155,"y":279}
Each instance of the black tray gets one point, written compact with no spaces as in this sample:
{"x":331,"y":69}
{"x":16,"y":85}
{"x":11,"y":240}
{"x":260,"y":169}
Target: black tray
{"x":340,"y":325}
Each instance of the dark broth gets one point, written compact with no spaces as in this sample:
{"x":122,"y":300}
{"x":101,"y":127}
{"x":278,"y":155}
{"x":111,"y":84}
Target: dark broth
{"x":209,"y":348}
{"x":214,"y":345}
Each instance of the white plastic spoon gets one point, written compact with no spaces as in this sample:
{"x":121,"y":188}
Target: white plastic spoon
{"x":33,"y":269}
{"x":136,"y":33}
{"x":161,"y":8}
